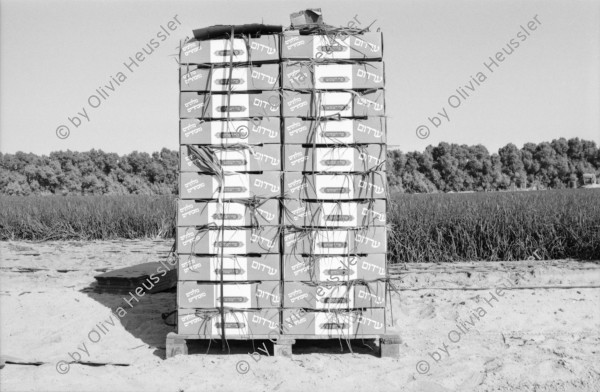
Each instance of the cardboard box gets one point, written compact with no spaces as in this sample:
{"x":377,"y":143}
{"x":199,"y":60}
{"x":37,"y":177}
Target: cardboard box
{"x":309,"y":75}
{"x":238,"y":323}
{"x":208,"y":106}
{"x":264,"y":130}
{"x":329,"y":103}
{"x":217,"y":241}
{"x":361,"y":213}
{"x":360,"y":158}
{"x":235,"y":268}
{"x":235,"y":185}
{"x":370,"y":130}
{"x":245,"y":78}
{"x":331,"y":296}
{"x":298,"y":268}
{"x":228,"y":213}
{"x":368,"y":46}
{"x":309,"y":18}
{"x":307,"y":241}
{"x":335,"y":186}
{"x":219,"y":51}
{"x":243,"y":158}
{"x":343,"y":324}
{"x":193,"y":294}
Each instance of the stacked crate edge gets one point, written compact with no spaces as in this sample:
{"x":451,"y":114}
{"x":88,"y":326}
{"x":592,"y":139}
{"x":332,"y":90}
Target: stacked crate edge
{"x":228,"y":245}
{"x":334,"y":153}
{"x":304,"y":130}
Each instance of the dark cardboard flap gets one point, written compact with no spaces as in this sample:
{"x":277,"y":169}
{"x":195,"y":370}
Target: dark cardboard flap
{"x":224,"y":31}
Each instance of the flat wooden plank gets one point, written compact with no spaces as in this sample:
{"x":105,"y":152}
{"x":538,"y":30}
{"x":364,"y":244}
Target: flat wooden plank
{"x":139,"y":271}
{"x":129,"y":278}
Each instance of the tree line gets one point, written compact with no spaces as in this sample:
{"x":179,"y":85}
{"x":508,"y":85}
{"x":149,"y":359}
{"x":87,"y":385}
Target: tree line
{"x":460,"y":168}
{"x":442,"y":168}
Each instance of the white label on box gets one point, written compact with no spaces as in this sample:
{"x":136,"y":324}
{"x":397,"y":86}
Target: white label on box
{"x":188,"y":209}
{"x":257,"y":128}
{"x":220,"y":50}
{"x":234,"y":268}
{"x":369,"y":103}
{"x":192,"y":76}
{"x":296,"y":126}
{"x":335,"y":297}
{"x":299,"y":158}
{"x":329,"y":323}
{"x":194,"y":294}
{"x":220,"y":79}
{"x":295,"y":75}
{"x":191,"y":128}
{"x":236,"y":185}
{"x":191,"y":48}
{"x":334,"y":159}
{"x":190,"y":264}
{"x":234,"y":160}
{"x":236,"y":324}
{"x":330,"y":242}
{"x":333,"y":76}
{"x":338,"y":214}
{"x":239,"y":105}
{"x":325,"y":47}
{"x":362,"y":128}
{"x":334,"y":187}
{"x":335,"y":103}
{"x":194,"y":182}
{"x":257,"y":319}
{"x":341,"y":132}
{"x":364,"y":45}
{"x":228,"y":214}
{"x":227,"y":241}
{"x":266,"y":185}
{"x":364,"y":73}
{"x":371,"y":215}
{"x":262,"y":267}
{"x":194,"y":104}
{"x":337,"y":269}
{"x":236,"y":296}
{"x":261,"y":155}
{"x":374,"y":299}
{"x":229,"y":132}
{"x":365,"y":265}
{"x":261,"y":75}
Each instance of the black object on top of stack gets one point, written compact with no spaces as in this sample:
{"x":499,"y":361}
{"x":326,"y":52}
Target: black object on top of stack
{"x":224,"y":31}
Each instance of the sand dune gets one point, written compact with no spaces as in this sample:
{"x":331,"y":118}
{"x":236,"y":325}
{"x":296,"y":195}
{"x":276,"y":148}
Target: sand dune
{"x":528,"y":339}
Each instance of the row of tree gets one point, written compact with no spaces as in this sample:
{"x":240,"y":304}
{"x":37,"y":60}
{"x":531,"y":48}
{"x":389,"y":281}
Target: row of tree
{"x":89,"y":173}
{"x":452,"y":167}
{"x":443,"y":168}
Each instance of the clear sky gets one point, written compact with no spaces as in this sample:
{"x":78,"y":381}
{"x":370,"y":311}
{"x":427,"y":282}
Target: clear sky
{"x":55,"y":54}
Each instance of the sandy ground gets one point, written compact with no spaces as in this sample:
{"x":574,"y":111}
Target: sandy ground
{"x":529,"y":339}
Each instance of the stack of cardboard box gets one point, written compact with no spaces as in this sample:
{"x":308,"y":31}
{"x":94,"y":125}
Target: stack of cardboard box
{"x":282,"y":196}
{"x":334,"y":214}
{"x":228,"y":212}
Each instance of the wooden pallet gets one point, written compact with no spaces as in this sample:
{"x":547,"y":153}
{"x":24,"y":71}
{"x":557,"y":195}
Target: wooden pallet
{"x":389,"y":345}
